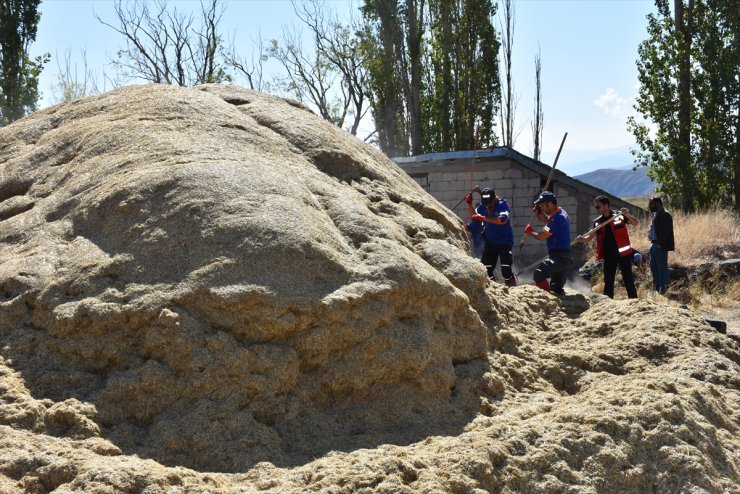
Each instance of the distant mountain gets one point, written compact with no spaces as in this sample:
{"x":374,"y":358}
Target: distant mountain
{"x":579,"y":161}
{"x":620,"y":182}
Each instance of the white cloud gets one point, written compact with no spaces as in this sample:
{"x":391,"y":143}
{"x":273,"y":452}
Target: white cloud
{"x":612,"y":103}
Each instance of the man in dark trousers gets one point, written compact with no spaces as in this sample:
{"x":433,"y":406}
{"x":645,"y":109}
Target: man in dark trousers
{"x":613,"y":245}
{"x":494,"y":213}
{"x":660,"y":234}
{"x":557,"y":234}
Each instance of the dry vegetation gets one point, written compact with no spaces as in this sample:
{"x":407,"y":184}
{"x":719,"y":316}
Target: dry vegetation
{"x":700,"y":237}
{"x":701,"y":240}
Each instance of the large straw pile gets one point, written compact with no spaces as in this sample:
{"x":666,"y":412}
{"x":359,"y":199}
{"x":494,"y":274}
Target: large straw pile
{"x":212,"y":290}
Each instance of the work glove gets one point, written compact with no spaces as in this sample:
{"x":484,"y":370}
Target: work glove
{"x":469,"y":198}
{"x":478,"y":217}
{"x":528,"y":229}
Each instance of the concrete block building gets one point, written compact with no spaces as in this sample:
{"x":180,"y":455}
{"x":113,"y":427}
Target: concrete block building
{"x":519,"y":179}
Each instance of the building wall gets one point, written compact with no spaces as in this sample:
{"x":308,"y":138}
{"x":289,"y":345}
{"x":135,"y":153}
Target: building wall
{"x":450,"y":180}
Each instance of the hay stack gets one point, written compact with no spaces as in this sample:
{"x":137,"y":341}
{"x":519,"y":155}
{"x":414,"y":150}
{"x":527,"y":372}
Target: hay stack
{"x":213,"y":290}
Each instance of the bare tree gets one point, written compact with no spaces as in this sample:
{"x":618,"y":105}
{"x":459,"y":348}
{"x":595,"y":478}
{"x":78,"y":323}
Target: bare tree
{"x":341,"y":48}
{"x":331,"y":74}
{"x":164,"y":46}
{"x":205,"y":51}
{"x":73,"y":82}
{"x":538,"y":121}
{"x":308,"y":76}
{"x":249,"y":68}
{"x":508,"y":106}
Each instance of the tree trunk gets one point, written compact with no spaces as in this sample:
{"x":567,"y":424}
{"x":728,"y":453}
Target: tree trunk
{"x":538,"y":116}
{"x":508,"y":105}
{"x":389,"y":133}
{"x":736,"y":158}
{"x":414,"y":96}
{"x":447,"y":81}
{"x":683,"y":151}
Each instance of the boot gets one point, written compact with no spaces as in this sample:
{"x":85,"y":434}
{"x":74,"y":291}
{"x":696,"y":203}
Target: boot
{"x":544,"y":284}
{"x":511,"y":281}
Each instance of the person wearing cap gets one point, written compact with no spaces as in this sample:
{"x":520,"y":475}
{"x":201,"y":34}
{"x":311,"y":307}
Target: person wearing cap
{"x":660,"y":234}
{"x":613,"y":245}
{"x":494,"y":214}
{"x":557,"y":234}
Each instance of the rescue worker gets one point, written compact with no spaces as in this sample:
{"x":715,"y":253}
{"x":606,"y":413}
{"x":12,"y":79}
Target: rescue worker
{"x":475,"y":228}
{"x":660,"y":234}
{"x":557,"y":234}
{"x":613,"y":246}
{"x":477,"y":241}
{"x":495,"y":214}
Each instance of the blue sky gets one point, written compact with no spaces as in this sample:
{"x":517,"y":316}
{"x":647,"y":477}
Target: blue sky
{"x":588,"y":50}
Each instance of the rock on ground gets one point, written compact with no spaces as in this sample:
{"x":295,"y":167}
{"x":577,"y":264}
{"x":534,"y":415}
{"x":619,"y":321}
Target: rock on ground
{"x":213,"y":290}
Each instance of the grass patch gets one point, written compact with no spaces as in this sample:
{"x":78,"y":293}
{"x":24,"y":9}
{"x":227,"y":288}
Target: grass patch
{"x":702,"y":240}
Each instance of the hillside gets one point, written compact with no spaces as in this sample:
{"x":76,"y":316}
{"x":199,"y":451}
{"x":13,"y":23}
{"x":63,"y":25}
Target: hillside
{"x":579,"y":161}
{"x":214,"y":291}
{"x":621,"y":183}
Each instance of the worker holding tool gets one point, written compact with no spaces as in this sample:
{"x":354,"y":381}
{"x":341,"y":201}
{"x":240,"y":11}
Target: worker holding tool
{"x":475,"y":228}
{"x":495,"y":214}
{"x":557,"y":234}
{"x":613,"y":246}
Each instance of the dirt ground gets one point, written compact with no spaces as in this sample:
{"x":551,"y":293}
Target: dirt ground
{"x":730,"y":315}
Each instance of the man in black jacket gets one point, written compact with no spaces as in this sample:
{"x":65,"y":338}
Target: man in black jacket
{"x":661,"y":236}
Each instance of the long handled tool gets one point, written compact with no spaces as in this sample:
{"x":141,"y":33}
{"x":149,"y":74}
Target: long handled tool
{"x":547,"y":184}
{"x":593,"y":230}
{"x":474,"y":189}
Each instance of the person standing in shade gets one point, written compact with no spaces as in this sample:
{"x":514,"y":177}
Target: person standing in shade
{"x":613,"y":245}
{"x":557,"y":234}
{"x":477,"y":241}
{"x":495,"y":214}
{"x":660,"y":234}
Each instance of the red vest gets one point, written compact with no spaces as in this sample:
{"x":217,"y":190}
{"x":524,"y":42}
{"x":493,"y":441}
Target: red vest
{"x":621,"y":237}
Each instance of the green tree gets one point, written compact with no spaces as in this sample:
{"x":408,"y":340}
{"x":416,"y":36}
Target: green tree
{"x":384,"y":45}
{"x":461,"y":98}
{"x":432,"y":69}
{"x":19,"y":80}
{"x":688,"y":98}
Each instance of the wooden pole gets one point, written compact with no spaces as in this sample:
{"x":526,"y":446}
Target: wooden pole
{"x":547,"y":184}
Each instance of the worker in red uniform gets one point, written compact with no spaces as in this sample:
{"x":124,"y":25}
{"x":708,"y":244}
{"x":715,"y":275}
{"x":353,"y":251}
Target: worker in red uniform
{"x":613,"y":245}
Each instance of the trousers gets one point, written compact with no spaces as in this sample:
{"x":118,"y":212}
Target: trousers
{"x":555,"y":267}
{"x":491,"y":255}
{"x":610,"y":271}
{"x":659,"y":267}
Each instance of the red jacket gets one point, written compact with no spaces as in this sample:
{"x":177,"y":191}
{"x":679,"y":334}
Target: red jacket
{"x":620,"y":233}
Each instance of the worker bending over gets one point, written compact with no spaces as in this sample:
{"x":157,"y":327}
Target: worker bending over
{"x":557,"y":234}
